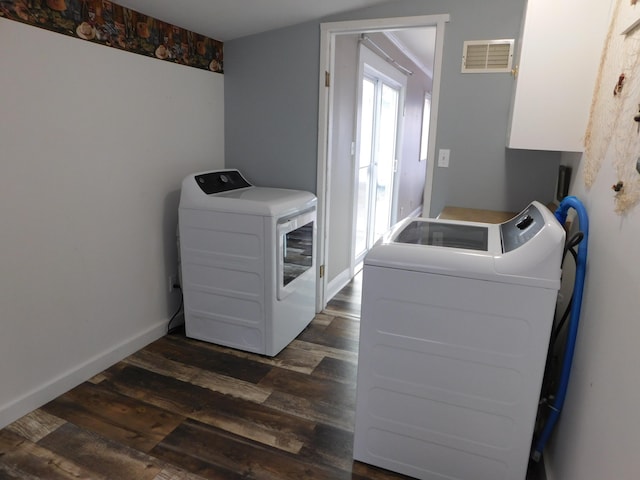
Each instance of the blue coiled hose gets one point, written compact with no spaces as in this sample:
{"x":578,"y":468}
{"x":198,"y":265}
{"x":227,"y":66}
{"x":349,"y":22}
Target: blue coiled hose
{"x":581,"y":263}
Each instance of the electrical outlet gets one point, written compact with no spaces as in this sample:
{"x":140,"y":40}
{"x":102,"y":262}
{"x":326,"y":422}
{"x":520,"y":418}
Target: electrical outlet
{"x":173,"y":280}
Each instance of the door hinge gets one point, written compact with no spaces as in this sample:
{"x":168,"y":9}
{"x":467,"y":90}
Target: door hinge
{"x":321,"y":271}
{"x":327,"y":79}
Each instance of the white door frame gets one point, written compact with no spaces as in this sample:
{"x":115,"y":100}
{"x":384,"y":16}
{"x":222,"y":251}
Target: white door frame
{"x":328,"y":31}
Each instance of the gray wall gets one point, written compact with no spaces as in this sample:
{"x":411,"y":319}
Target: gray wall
{"x":271,"y":109}
{"x":474,"y":112}
{"x":271,"y":122}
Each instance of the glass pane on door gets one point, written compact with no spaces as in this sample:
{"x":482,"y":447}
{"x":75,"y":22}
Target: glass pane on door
{"x":367,"y":123}
{"x":385,"y":159}
{"x":362,"y":211}
{"x":365,"y":157}
{"x":377,"y":134}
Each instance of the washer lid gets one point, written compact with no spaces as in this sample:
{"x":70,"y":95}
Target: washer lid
{"x":440,"y":234}
{"x":458,"y":249}
{"x":230,"y":192}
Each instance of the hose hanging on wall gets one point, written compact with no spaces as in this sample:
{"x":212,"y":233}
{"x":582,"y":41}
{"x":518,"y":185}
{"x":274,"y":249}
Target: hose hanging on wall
{"x":575,"y":304}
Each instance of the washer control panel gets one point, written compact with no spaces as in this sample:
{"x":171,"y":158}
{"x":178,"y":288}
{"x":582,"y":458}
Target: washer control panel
{"x":521,"y":228}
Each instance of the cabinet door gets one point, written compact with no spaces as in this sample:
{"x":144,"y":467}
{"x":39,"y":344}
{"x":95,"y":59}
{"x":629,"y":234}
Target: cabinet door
{"x":560,"y":48}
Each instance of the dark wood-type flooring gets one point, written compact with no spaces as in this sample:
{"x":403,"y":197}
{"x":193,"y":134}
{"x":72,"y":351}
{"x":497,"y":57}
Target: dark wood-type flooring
{"x":184,"y":409}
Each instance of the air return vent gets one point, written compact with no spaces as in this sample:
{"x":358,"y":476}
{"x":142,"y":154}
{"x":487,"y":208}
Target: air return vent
{"x":487,"y":56}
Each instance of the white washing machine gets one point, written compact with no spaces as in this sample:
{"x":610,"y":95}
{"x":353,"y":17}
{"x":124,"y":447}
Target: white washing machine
{"x":247,"y":254}
{"x":454,"y":332}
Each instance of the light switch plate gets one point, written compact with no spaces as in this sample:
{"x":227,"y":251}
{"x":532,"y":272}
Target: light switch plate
{"x":443,"y":157}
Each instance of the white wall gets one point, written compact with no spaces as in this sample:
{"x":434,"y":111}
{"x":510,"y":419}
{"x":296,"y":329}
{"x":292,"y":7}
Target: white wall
{"x":94,"y":143}
{"x":598,"y":434}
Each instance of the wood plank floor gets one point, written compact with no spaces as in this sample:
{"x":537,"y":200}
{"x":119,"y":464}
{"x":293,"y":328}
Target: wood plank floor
{"x":184,"y":409}
{"x":347,"y":300}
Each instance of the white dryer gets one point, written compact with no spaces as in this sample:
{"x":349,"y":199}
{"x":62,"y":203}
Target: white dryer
{"x":455,"y":326}
{"x":247,"y":254}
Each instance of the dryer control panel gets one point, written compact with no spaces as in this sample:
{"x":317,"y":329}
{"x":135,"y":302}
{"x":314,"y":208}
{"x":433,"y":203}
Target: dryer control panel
{"x":221,"y":181}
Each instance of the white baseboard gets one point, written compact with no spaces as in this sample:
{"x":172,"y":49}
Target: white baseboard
{"x":337,"y":284}
{"x":45,"y":393}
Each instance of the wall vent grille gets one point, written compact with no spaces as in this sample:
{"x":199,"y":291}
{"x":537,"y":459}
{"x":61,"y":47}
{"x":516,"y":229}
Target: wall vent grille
{"x":487,"y":56}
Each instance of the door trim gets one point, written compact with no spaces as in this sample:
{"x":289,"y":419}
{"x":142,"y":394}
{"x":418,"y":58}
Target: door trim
{"x":328,"y":31}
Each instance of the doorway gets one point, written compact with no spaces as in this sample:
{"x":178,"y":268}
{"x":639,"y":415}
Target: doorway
{"x":337,"y":178}
{"x":378,"y":133}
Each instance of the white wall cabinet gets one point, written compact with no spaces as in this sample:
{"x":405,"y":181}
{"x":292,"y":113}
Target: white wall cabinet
{"x":559,"y":56}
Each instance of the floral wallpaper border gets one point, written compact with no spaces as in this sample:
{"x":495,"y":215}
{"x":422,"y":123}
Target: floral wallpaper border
{"x":106,"y":23}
